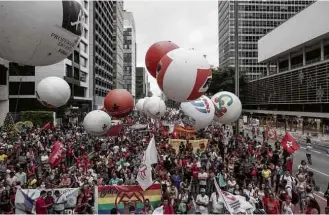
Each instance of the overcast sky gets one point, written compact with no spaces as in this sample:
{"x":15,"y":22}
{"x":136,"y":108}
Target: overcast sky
{"x":189,"y":24}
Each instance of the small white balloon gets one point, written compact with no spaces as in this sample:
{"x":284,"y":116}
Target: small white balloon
{"x":40,"y":33}
{"x":97,"y":123}
{"x":198,"y":114}
{"x":155,"y":108}
{"x":228,"y":107}
{"x":140,"y":104}
{"x":53,"y":92}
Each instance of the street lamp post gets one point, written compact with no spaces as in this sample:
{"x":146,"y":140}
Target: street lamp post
{"x":236,"y":45}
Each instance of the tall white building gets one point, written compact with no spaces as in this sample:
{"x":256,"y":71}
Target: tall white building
{"x":129,"y":56}
{"x":256,"y":18}
{"x":23,"y":80}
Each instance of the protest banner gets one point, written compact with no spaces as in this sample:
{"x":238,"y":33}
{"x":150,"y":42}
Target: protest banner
{"x":25,"y":200}
{"x":122,"y":197}
{"x":196,"y":144}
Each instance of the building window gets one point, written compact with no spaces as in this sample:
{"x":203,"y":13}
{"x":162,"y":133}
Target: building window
{"x":76,"y":57}
{"x":16,"y":70}
{"x":85,"y":33}
{"x":85,"y":4}
{"x":3,"y":75}
{"x":83,"y":47}
{"x":68,"y":71}
{"x":83,"y":61}
{"x":21,"y":88}
{"x":83,"y":76}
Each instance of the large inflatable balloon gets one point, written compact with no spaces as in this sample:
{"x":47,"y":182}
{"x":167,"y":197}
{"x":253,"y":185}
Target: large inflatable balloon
{"x":39,"y":33}
{"x":97,"y":123}
{"x":228,"y":107}
{"x":198,"y":114}
{"x":155,"y":108}
{"x":53,"y":92}
{"x":140,"y":104}
{"x":155,"y":53}
{"x":119,"y":103}
{"x":146,"y":100}
{"x":184,"y":75}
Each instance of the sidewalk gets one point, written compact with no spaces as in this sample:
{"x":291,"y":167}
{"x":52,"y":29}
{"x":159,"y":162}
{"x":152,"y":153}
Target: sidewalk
{"x":299,"y":137}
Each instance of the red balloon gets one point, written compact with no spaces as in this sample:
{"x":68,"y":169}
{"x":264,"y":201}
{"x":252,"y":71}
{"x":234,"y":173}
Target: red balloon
{"x":155,"y":53}
{"x":119,"y":103}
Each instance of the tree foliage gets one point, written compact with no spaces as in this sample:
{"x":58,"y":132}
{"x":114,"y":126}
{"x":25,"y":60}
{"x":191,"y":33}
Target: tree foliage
{"x":9,"y":123}
{"x":223,"y":79}
{"x":37,"y":117}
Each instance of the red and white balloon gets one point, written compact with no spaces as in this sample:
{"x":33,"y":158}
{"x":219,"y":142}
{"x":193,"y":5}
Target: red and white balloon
{"x":184,"y":75}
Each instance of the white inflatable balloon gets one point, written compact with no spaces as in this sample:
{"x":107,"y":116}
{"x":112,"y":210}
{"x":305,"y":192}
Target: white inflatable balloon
{"x":155,"y":108}
{"x":97,"y":123}
{"x":146,"y":99}
{"x":199,"y":113}
{"x":183,"y":75}
{"x":228,"y":107}
{"x":140,"y":104}
{"x":53,"y":92}
{"x":39,"y":33}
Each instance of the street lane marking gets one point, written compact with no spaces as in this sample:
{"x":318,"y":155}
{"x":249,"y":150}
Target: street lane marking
{"x":316,"y":151}
{"x":320,"y":197}
{"x":318,"y":171}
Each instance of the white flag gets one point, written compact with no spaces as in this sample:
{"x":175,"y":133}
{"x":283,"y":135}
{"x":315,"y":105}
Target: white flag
{"x":151,"y":154}
{"x":144,"y":176}
{"x":158,"y":211}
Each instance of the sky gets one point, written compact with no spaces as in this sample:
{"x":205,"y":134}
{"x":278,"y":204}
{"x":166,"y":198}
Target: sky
{"x":189,"y":24}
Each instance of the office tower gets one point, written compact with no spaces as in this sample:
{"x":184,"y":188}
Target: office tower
{"x":105,"y":50}
{"x":23,"y":80}
{"x":129,"y":50}
{"x":141,"y":83}
{"x":256,"y":18}
{"x":4,"y":92}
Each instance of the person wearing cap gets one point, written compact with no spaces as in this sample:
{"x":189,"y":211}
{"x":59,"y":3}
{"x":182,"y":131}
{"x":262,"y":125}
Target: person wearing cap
{"x":202,"y":201}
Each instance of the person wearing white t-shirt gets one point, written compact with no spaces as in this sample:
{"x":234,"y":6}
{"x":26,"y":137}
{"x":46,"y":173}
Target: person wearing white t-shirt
{"x":202,"y":201}
{"x":217,"y":203}
{"x":203,"y":176}
{"x":59,"y":202}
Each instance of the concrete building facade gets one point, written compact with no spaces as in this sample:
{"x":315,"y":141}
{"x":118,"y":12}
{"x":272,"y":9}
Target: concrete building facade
{"x":105,"y":50}
{"x":141,"y":83}
{"x":129,"y":49}
{"x":256,"y":18}
{"x":300,"y":84}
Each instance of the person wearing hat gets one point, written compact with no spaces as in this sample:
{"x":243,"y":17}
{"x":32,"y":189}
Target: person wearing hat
{"x":287,"y":207}
{"x":202,"y":201}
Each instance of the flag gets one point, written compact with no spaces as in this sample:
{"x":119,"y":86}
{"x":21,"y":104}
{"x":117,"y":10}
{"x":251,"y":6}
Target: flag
{"x":233,"y":203}
{"x":114,"y":130}
{"x":55,"y":157}
{"x":151,"y":155}
{"x":144,"y":176}
{"x":46,"y":126}
{"x":289,"y":144}
{"x":158,"y":211}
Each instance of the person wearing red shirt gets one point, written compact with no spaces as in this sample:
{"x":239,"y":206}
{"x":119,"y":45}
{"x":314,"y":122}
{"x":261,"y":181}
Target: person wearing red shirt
{"x":167,"y":208}
{"x":40,"y":204}
{"x":272,"y":205}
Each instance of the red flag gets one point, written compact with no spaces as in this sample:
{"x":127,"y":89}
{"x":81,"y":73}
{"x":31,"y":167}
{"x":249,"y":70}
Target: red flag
{"x":46,"y":126}
{"x":115,"y":130}
{"x":289,"y":144}
{"x":55,"y":157}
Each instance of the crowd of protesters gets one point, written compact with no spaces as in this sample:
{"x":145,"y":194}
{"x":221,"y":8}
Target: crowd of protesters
{"x":241,"y":165}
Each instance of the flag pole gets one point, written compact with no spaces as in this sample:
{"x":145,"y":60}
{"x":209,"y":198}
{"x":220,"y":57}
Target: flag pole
{"x":221,"y":194}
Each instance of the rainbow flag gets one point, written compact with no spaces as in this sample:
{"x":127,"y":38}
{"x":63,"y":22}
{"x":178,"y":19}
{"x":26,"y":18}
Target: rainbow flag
{"x":122,"y":197}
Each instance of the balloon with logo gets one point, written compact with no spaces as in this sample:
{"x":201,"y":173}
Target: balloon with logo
{"x":228,"y":107}
{"x":183,"y":75}
{"x":40,"y":33}
{"x":198,"y":114}
{"x":119,"y":103}
{"x":140,"y":104}
{"x":155,"y":53}
{"x":53,"y":92}
{"x":97,"y":123}
{"x":155,"y":108}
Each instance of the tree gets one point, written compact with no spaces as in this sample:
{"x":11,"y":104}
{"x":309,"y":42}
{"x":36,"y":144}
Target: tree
{"x":9,"y":124}
{"x":223,"y":79}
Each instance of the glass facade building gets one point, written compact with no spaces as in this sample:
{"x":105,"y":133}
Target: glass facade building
{"x":256,"y":18}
